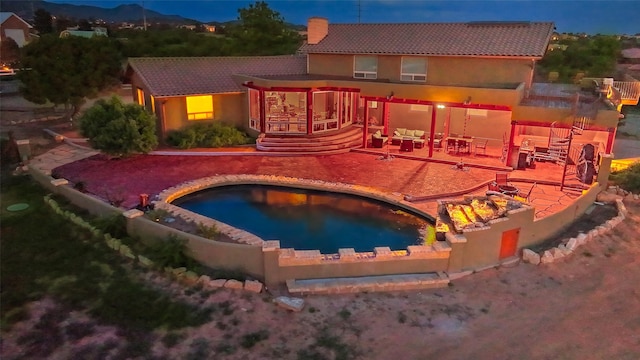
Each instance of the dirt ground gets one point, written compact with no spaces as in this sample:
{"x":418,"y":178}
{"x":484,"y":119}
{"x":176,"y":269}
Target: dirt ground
{"x":585,"y":306}
{"x":582,"y":307}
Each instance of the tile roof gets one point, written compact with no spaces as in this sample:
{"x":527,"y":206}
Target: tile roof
{"x":178,"y":76}
{"x":513,"y":39}
{"x":632,"y":53}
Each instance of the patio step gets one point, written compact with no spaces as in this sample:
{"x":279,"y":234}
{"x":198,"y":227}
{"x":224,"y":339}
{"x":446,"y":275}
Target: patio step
{"x":344,"y":140}
{"x":397,"y":282}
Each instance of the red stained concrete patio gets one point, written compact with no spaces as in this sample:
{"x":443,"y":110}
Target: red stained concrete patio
{"x":124,"y":179}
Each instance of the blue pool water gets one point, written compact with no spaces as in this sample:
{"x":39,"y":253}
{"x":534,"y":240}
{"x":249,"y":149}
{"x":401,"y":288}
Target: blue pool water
{"x":308,"y":220}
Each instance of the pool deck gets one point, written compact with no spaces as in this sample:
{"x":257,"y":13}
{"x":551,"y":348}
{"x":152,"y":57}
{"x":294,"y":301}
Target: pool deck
{"x":124,"y":179}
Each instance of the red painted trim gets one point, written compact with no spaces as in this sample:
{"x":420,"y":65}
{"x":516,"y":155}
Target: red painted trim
{"x":263,"y":112}
{"x":511,"y":136}
{"x":286,"y":89}
{"x":330,"y":88}
{"x":435,"y":103}
{"x":309,"y":112}
{"x":611,"y":140}
{"x":433,"y":130}
{"x":385,"y":117}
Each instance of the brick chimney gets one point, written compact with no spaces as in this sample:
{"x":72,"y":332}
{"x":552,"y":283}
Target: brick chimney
{"x":317,"y":29}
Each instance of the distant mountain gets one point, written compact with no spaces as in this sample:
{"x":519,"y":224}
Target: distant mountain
{"x":122,"y":13}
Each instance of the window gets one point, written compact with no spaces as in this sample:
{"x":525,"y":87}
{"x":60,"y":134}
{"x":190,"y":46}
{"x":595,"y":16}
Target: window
{"x":365,"y":67}
{"x":200,"y":107}
{"x":140,"y":96}
{"x":414,"y":69}
{"x":153,"y":104}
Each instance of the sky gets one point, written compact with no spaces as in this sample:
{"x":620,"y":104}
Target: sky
{"x":589,"y":16}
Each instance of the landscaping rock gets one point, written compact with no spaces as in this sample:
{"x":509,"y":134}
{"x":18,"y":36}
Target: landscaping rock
{"x":145,"y":261}
{"x":572,"y":244}
{"x":179,"y":271}
{"x":204,"y":279}
{"x":530,"y":256}
{"x":547,"y":257}
{"x":233,"y":284}
{"x":217,"y":283}
{"x":290,"y":303}
{"x":190,"y":278}
{"x":253,"y":286}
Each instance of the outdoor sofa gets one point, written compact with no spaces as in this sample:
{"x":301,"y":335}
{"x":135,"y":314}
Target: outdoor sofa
{"x":418,"y":136}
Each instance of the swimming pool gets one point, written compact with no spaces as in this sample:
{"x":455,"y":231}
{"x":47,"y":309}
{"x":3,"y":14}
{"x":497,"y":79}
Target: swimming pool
{"x":309,"y":219}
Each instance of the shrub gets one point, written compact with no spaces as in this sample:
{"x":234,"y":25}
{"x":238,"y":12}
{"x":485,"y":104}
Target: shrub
{"x":251,"y":339}
{"x":207,"y":231}
{"x":119,"y":129}
{"x":628,"y":179}
{"x":171,"y":252}
{"x":207,"y":135}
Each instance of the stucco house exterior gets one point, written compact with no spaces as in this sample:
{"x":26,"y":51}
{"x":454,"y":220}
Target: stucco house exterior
{"x":350,"y":81}
{"x":14,"y":27}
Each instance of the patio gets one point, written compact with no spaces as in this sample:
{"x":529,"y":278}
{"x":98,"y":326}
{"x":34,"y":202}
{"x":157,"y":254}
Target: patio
{"x":426,"y":181}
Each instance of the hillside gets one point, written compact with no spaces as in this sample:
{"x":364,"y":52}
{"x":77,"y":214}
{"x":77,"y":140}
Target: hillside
{"x":122,"y":13}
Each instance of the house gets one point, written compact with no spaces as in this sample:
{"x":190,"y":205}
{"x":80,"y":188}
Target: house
{"x":96,"y":31}
{"x":631,"y":55}
{"x":350,"y":81}
{"x":14,"y":27}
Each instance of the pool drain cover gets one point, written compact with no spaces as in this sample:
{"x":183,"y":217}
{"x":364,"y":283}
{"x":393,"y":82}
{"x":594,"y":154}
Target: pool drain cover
{"x":17,"y":207}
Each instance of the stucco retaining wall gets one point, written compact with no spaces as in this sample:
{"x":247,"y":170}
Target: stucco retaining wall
{"x":472,"y":250}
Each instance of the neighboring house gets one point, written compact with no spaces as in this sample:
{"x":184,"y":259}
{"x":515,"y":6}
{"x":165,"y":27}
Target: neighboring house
{"x":631,"y":55}
{"x":96,"y":31}
{"x":12,"y":26}
{"x":209,"y":28}
{"x":474,"y":79}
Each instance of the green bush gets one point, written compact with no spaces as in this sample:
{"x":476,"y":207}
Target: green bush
{"x":207,"y":135}
{"x":119,"y":129}
{"x":172,"y":253}
{"x":628,"y":179}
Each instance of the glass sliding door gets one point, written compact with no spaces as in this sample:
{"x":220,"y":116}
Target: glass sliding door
{"x":326,"y":105}
{"x":347,"y":109}
{"x":285,"y":112}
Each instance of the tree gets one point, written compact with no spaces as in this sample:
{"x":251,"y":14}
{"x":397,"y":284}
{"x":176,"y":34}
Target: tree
{"x":43,"y":22}
{"x":594,"y":56}
{"x":65,"y":71}
{"x":262,"y":31}
{"x":9,"y":52}
{"x":119,"y":129}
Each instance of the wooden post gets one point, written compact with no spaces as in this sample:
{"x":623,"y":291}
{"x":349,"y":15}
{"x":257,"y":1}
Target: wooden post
{"x":365,"y":125}
{"x":309,"y":112}
{"x":263,"y":112}
{"x":510,"y":145}
{"x":433,"y":129}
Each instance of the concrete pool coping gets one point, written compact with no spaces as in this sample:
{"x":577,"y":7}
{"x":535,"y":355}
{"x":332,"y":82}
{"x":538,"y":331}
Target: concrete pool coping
{"x":166,"y":197}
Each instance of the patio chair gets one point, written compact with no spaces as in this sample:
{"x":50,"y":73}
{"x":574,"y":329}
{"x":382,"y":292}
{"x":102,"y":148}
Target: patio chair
{"x":525,"y":197}
{"x":482,"y":145}
{"x":406,"y":145}
{"x":463,"y":145}
{"x":502,"y":178}
{"x":451,"y":143}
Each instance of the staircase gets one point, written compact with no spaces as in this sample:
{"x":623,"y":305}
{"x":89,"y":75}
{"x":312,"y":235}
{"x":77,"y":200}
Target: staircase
{"x":558,"y":146}
{"x":377,"y":283}
{"x":335,"y":142}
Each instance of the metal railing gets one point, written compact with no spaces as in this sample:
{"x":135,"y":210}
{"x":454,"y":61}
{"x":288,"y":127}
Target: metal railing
{"x":629,"y":90}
